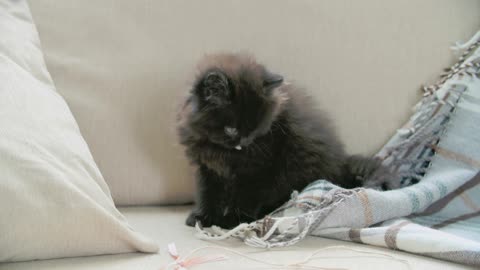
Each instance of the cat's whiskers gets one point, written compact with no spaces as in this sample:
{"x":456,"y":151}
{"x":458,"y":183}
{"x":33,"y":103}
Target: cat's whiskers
{"x":260,"y":149}
{"x":279,"y":125}
{"x":254,"y":147}
{"x":207,"y":107}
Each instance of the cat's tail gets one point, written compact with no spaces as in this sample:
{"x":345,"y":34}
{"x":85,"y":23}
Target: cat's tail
{"x":368,"y":172}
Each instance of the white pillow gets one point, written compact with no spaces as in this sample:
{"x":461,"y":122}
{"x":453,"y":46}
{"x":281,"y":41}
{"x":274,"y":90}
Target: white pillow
{"x":54,"y":201}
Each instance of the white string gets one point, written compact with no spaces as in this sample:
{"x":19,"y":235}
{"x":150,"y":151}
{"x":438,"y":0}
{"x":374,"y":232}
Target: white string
{"x":460,"y":47}
{"x":381,"y":255}
{"x":221,"y":235}
{"x":271,"y":230}
{"x":302,"y":264}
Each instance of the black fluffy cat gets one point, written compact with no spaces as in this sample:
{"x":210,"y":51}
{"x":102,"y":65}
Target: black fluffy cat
{"x":255,"y":139}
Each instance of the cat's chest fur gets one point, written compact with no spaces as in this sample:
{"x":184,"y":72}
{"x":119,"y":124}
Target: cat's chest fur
{"x":258,"y":158}
{"x":244,"y":179}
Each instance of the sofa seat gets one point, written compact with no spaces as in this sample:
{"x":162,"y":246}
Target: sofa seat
{"x":166,"y":225}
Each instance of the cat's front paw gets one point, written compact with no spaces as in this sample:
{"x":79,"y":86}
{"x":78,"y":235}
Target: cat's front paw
{"x":226,"y":221}
{"x":191,"y":220}
{"x":195,"y":216}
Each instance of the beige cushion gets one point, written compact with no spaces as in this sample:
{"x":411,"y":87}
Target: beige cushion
{"x":165,"y":224}
{"x":121,"y":65}
{"x":54,"y":201}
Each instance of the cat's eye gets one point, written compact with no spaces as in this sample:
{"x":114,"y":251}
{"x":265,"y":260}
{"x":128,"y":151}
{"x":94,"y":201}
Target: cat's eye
{"x":231,"y":131}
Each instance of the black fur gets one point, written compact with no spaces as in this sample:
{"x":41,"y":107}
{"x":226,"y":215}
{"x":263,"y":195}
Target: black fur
{"x":286,"y":142}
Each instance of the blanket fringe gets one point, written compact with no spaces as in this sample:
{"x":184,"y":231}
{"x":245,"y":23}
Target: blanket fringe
{"x":430,"y":119}
{"x":266,"y":233}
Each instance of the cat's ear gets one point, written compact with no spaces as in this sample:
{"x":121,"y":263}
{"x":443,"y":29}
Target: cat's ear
{"x":271,"y":81}
{"x":214,"y":87}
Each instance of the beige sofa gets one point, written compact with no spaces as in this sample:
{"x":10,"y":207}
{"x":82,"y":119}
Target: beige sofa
{"x":123,"y":65}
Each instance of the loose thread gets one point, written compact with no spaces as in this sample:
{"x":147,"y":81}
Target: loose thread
{"x":302,"y":264}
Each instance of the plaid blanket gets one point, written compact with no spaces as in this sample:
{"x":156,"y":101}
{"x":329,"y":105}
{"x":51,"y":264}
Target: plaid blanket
{"x":435,"y":213}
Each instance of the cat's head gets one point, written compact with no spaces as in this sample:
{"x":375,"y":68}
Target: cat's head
{"x":234,"y":100}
